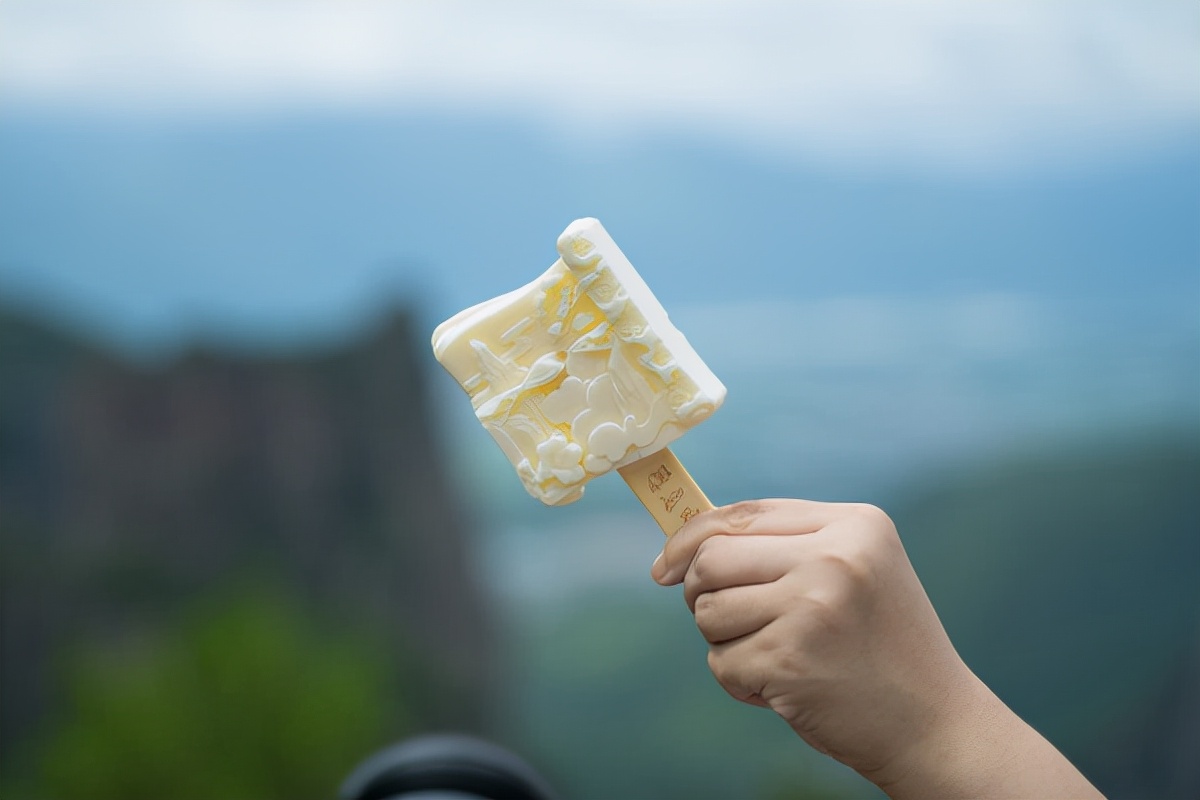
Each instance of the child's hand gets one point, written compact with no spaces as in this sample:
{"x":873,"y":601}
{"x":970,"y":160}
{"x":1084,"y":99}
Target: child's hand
{"x":813,"y":610}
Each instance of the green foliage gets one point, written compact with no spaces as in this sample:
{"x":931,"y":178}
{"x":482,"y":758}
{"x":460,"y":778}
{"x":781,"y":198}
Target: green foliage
{"x":248,"y":699}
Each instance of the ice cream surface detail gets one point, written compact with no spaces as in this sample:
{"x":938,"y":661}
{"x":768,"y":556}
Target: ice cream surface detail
{"x":578,"y":372}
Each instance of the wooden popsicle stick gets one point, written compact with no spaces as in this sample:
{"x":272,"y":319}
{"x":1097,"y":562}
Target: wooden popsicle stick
{"x":665,"y":489}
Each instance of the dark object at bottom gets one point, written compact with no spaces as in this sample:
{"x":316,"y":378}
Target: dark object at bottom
{"x":444,"y":767}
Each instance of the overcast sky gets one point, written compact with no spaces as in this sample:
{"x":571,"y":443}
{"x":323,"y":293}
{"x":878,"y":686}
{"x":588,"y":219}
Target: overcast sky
{"x":982,"y":84}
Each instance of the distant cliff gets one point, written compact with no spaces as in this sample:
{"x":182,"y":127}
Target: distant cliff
{"x":127,"y":492}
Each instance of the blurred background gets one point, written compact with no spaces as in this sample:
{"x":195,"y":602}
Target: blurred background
{"x":945,"y":256}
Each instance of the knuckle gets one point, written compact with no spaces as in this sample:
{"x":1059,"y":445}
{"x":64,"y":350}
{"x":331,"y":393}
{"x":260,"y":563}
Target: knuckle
{"x":819,"y":617}
{"x":789,"y":658}
{"x":873,"y":515}
{"x":850,"y":566}
{"x":705,"y":608}
{"x":729,"y":673}
{"x":705,"y":559}
{"x":767,"y":645}
{"x":738,"y":516}
{"x":718,"y":667}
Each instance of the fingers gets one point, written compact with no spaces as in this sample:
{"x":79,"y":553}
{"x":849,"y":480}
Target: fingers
{"x":736,"y":612}
{"x":753,"y":517}
{"x":723,"y":561}
{"x":738,"y":665}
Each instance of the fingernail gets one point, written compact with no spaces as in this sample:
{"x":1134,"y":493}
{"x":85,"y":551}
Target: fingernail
{"x":656,"y":569}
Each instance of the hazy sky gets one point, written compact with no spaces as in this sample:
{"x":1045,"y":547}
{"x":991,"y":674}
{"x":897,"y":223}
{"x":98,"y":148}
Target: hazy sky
{"x":979,"y":85}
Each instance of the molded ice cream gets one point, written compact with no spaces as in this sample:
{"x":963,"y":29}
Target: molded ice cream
{"x":579,"y":372}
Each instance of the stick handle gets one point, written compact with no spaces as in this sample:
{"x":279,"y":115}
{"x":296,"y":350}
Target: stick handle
{"x":665,"y":489}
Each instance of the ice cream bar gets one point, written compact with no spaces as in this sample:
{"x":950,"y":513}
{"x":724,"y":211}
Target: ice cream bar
{"x":580,"y":372}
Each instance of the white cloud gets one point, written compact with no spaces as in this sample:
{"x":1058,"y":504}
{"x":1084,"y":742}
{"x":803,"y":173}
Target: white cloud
{"x":979,"y":82}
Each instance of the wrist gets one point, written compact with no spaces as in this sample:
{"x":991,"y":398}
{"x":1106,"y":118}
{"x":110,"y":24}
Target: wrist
{"x":967,"y":742}
{"x":979,"y":748}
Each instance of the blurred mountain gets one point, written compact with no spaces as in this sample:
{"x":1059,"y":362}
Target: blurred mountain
{"x":131,"y":493}
{"x":213,"y":225}
{"x":1067,"y":580}
{"x":1063,"y":566}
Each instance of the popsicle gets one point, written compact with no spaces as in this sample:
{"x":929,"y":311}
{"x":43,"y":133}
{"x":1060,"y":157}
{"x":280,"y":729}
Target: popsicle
{"x":581,"y":372}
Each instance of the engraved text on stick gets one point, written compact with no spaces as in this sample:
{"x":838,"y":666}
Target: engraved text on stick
{"x":658,"y":478}
{"x":670,"y":500}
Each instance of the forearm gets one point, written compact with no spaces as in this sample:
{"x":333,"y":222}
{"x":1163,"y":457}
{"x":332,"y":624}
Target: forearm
{"x":981,"y":749}
{"x":814,"y":610}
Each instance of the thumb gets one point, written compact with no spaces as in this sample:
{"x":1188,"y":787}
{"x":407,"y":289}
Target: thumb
{"x":774,"y":517}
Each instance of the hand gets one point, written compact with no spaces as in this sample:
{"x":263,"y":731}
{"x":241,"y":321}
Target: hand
{"x":814,"y":611}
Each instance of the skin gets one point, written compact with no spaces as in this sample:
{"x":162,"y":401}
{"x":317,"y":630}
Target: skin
{"x":814,"y":611}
